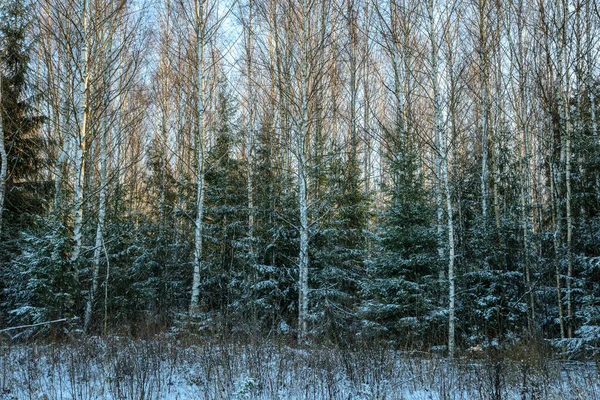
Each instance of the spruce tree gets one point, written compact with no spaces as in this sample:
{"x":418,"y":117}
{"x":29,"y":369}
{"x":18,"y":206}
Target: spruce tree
{"x":339,"y":247}
{"x":273,"y":288}
{"x":20,"y":123}
{"x":225,"y":217}
{"x":401,"y":291}
{"x":25,"y":193}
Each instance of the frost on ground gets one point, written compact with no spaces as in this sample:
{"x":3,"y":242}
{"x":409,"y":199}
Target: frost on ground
{"x":161,"y":369}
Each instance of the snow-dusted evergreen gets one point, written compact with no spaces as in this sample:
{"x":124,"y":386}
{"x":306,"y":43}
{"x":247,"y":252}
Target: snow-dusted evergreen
{"x":423,"y":175}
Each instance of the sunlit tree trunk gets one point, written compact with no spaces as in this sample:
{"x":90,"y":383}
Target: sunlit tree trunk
{"x":398,"y":68}
{"x":81,"y":138}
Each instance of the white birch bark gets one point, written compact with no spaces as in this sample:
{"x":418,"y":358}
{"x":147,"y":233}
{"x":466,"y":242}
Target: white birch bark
{"x":164,"y":101}
{"x":250,"y":134}
{"x":105,"y":34}
{"x":442,"y":164}
{"x":352,"y":34}
{"x":484,"y":88}
{"x":498,"y":118}
{"x":556,"y":242}
{"x":80,"y":151}
{"x":99,"y":227}
{"x":398,"y":94}
{"x":451,"y":254}
{"x":437,"y":135}
{"x":199,"y":50}
{"x":569,"y":236}
{"x":301,"y":134}
{"x":565,"y":128}
{"x":525,"y":192}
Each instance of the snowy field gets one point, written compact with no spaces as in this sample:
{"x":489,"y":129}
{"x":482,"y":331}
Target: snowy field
{"x":161,"y":369}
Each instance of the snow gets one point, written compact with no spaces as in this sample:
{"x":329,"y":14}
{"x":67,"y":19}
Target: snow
{"x":121,"y":369}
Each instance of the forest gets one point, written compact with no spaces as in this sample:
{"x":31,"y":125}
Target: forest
{"x":420,"y":174}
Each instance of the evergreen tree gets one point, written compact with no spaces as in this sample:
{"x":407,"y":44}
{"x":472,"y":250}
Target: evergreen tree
{"x":273,"y":286}
{"x":40,"y":283}
{"x":25,"y":193}
{"x":494,"y":309}
{"x":339,"y":250}
{"x":586,"y":280}
{"x":225,"y":215}
{"x":401,"y":292}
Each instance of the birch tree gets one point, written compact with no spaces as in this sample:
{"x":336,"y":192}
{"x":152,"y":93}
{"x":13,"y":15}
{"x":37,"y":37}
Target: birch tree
{"x":83,"y":117}
{"x":250,"y":134}
{"x":484,"y":76}
{"x":300,"y":144}
{"x":200,"y":41}
{"x":114,"y":40}
{"x":441,"y":150}
{"x":3,"y":156}
{"x":520,"y":108}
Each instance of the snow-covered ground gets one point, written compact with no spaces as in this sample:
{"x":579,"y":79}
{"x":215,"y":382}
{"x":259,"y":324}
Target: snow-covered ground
{"x":170,"y":369}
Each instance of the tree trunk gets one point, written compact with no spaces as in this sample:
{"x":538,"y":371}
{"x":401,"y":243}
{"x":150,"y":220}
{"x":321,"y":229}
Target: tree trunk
{"x":565,"y":130}
{"x":451,"y":257}
{"x":81,"y":150}
{"x":399,"y":98}
{"x":484,"y":88}
{"x":525,"y":197}
{"x":556,"y":217}
{"x":3,"y":158}
{"x":302,"y":178}
{"x":99,"y":228}
{"x":200,"y":36}
{"x":442,"y":166}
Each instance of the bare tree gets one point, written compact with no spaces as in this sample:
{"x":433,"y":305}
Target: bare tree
{"x":441,"y":150}
{"x":110,"y":88}
{"x":3,"y":158}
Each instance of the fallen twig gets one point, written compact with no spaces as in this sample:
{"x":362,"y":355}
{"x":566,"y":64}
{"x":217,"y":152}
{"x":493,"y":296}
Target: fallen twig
{"x":34,"y":325}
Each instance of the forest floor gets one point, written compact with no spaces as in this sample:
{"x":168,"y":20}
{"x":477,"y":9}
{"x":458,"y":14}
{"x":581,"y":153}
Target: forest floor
{"x":170,"y":368}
